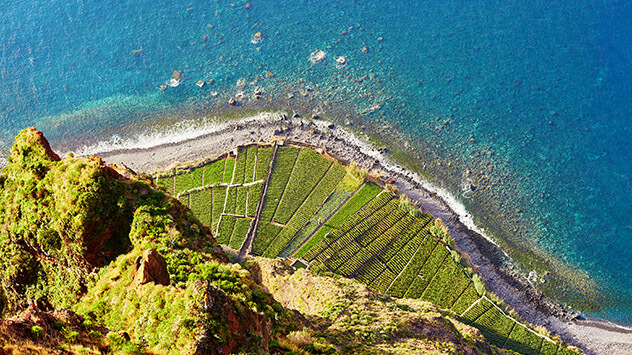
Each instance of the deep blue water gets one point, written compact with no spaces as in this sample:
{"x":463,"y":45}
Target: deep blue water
{"x":532,"y":97}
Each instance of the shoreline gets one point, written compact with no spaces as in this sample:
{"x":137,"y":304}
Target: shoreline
{"x":502,"y":278}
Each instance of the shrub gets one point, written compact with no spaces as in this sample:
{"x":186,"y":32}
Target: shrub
{"x":478,"y":284}
{"x":37,"y":332}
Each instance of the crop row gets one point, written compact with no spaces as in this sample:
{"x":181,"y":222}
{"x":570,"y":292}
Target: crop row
{"x":427,"y":272}
{"x":309,"y":170}
{"x":468,"y":297}
{"x":550,"y":348}
{"x":306,"y":210}
{"x":263,"y":162}
{"x":202,"y":205}
{"x":219,"y":198}
{"x":406,"y":277}
{"x":351,"y":266}
{"x":446,"y":286}
{"x":229,"y":170}
{"x":315,"y":244}
{"x":406,"y":237}
{"x":239,"y":232}
{"x":281,"y":171}
{"x":382,"y":234}
{"x":251,"y":157}
{"x":367,"y":210}
{"x":523,"y":341}
{"x":254,"y":196}
{"x":343,"y":252}
{"x":494,"y":326}
{"x":476,"y":311}
{"x":363,"y":226}
{"x":231,"y":201}
{"x":333,"y":202}
{"x":184,"y":199}
{"x":214,"y":172}
{"x":240,"y":166}
{"x":415,"y":254}
{"x":242,"y":197}
{"x":370,"y":271}
{"x":266,"y":232}
{"x":225,"y":230}
{"x":381,"y":283}
{"x":165,"y":182}
{"x":367,"y":193}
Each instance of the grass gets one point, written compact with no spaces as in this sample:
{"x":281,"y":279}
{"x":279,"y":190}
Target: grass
{"x":239,"y":232}
{"x":315,"y":240}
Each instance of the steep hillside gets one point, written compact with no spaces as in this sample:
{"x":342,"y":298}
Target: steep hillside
{"x":292,"y":201}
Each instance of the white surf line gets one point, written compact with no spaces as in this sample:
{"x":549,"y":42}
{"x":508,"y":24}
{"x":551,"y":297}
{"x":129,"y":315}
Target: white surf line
{"x":181,"y":131}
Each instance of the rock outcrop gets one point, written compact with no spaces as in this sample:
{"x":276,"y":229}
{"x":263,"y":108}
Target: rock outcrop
{"x":151,"y":267}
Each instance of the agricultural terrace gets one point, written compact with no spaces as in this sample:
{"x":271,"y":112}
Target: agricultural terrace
{"x":294,"y":202}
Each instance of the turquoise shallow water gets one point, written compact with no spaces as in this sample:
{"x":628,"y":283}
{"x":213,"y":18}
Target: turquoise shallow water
{"x":528,"y":100}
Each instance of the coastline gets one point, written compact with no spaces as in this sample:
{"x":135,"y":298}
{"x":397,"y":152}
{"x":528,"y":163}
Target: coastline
{"x":595,"y":337}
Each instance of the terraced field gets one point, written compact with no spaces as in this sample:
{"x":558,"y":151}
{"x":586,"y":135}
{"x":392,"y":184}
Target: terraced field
{"x":293,"y":202}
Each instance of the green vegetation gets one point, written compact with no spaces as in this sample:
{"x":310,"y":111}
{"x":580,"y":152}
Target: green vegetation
{"x":251,"y":156}
{"x":229,"y":170}
{"x":214,"y":173}
{"x":340,"y":225}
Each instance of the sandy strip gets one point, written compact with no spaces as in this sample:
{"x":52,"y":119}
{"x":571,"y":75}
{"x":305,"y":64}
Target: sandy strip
{"x":492,"y":263}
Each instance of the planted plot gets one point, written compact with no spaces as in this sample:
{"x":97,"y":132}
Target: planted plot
{"x":225,"y":230}
{"x":400,"y":244}
{"x":476,"y":311}
{"x":381,"y":283}
{"x":254,"y":196}
{"x":214,"y":173}
{"x":182,"y":181}
{"x":368,"y":192}
{"x":249,"y":171}
{"x":266,"y":232}
{"x":242,"y":195}
{"x":333,"y":202}
{"x":231,"y":201}
{"x":184,"y":199}
{"x":263,"y":162}
{"x":468,"y":297}
{"x":523,"y":341}
{"x":202,"y":205}
{"x":446,"y":285}
{"x":196,"y":177}
{"x":410,"y":272}
{"x":280,"y":242}
{"x":239,"y":232}
{"x":360,"y":216}
{"x":494,"y":326}
{"x":229,"y":170}
{"x":281,"y":171}
{"x":370,"y":271}
{"x":310,"y":206}
{"x":307,"y":250}
{"x":166,"y":182}
{"x":549,"y":348}
{"x":240,"y":166}
{"x":219,"y":197}
{"x":310,"y":167}
{"x":427,"y":272}
{"x":386,"y":228}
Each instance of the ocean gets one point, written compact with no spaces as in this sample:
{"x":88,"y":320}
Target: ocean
{"x":519,"y":109}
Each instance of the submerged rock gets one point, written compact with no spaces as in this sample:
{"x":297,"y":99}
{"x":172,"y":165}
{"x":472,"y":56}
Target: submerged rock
{"x":256,"y":38}
{"x":317,"y":56}
{"x":176,"y":79}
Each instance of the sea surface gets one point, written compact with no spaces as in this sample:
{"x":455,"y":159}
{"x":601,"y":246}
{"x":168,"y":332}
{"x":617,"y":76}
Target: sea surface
{"x":521,"y":109}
